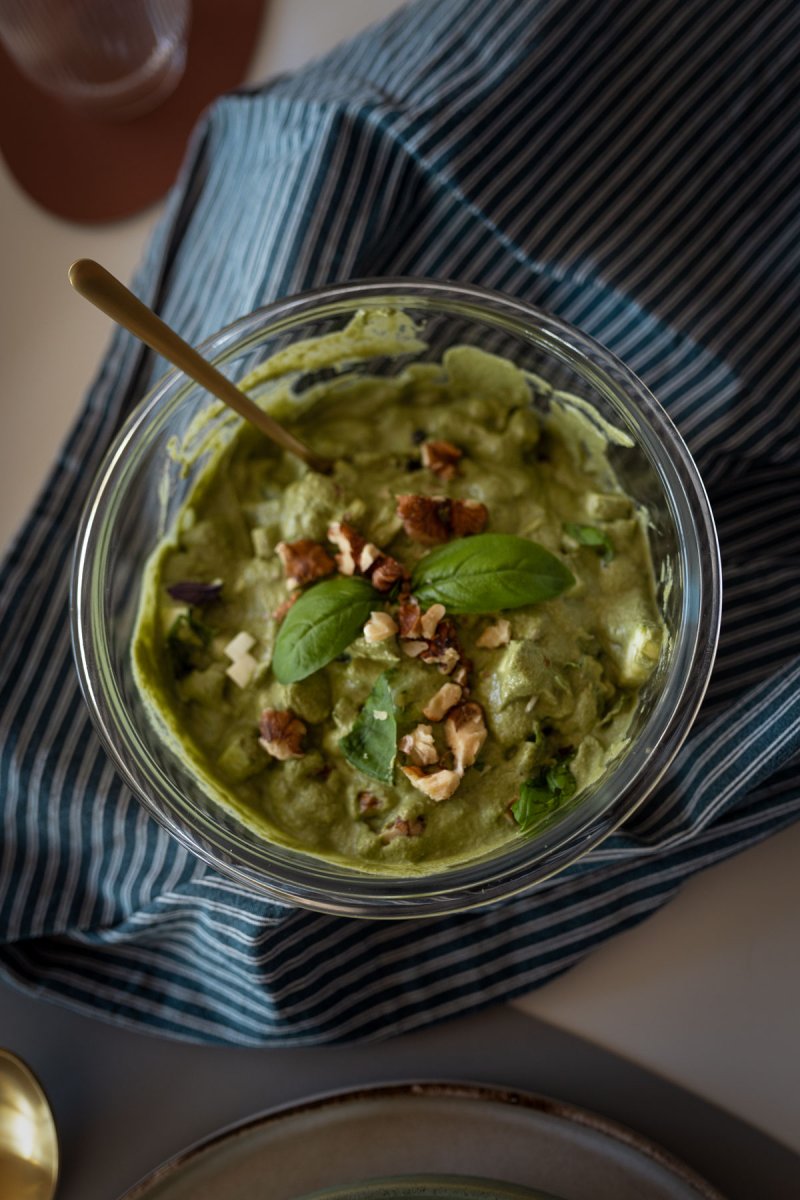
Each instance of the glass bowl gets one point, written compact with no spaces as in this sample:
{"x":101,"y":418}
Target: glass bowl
{"x":140,"y":489}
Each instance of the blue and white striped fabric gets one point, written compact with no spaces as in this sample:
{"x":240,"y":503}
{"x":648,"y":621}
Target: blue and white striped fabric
{"x":631,"y":165}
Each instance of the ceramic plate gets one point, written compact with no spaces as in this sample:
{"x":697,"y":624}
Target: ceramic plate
{"x":425,"y":1129}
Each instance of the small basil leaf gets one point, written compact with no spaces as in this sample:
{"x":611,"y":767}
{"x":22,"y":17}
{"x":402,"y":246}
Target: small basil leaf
{"x":561,"y":781}
{"x":320,"y":626}
{"x":589,"y":535}
{"x":534,"y":804}
{"x":489,"y":572}
{"x":371,"y":745}
{"x":541,"y":796}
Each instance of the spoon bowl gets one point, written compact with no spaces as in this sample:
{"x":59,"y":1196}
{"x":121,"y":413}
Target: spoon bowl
{"x":28,"y":1139}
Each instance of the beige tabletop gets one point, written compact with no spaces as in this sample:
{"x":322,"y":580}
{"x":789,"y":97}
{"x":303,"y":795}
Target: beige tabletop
{"x":707,"y":991}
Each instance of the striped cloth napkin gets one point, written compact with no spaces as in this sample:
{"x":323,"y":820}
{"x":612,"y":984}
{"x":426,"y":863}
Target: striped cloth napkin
{"x":631,"y":166}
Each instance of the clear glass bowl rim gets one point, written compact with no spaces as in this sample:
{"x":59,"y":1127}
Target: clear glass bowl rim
{"x":296,"y":879}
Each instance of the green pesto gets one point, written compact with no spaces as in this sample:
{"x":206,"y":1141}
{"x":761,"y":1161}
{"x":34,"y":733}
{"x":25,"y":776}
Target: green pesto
{"x":563,"y":690}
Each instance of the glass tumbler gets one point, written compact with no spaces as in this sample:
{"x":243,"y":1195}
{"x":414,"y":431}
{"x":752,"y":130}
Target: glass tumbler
{"x":108,"y":58}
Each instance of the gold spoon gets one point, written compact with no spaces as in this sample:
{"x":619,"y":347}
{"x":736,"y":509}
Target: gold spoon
{"x":104,"y":290}
{"x":28,"y":1141}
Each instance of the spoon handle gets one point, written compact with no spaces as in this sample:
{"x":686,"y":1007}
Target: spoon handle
{"x":107,"y":293}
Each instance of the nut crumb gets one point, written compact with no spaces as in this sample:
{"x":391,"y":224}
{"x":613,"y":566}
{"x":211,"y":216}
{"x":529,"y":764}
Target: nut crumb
{"x":413,"y":649}
{"x":429,"y":620}
{"x":282,"y":733}
{"x":419,"y":746}
{"x":369,"y":554}
{"x":433,"y":519}
{"x":379,"y":627}
{"x":441,"y":458}
{"x":304,"y":561}
{"x":461,"y":673}
{"x":443,"y":648}
{"x":468,"y":517}
{"x":386,"y":572}
{"x":368,"y":802}
{"x":408,"y":616}
{"x":442,"y":701}
{"x":424,"y":518}
{"x":349,"y":543}
{"x":403,"y":827}
{"x":465,"y":730}
{"x":495,"y":635}
{"x":440,"y":785}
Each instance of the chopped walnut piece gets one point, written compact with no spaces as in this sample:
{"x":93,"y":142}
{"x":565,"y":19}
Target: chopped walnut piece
{"x":369,"y":554}
{"x":349,"y":543}
{"x":403,"y":827}
{"x":467,"y":517}
{"x":441,"y":458}
{"x":408,"y":616}
{"x":443,"y":648}
{"x":495,"y":635}
{"x":419,"y":746}
{"x":440,"y":785}
{"x":282,"y":733}
{"x":447,"y":660}
{"x":413,"y":649}
{"x":368,"y":802}
{"x":425,"y":518}
{"x":282,"y":609}
{"x":379,"y":627}
{"x":461,"y":673}
{"x":304,"y":561}
{"x":465,"y":730}
{"x":386,"y":572}
{"x":442,"y":701}
{"x":430,"y":619}
{"x":433,"y":519}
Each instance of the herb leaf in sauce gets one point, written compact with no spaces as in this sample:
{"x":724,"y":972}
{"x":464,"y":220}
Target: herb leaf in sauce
{"x":371,"y":745}
{"x":187,"y":639}
{"x":489,"y":572}
{"x":320,"y":626}
{"x":590,"y":535}
{"x":542,"y":795}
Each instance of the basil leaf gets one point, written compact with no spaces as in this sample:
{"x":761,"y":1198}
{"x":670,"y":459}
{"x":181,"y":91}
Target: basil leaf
{"x":320,"y":625}
{"x":589,"y":535}
{"x":534,"y":804}
{"x":371,"y":745}
{"x":540,"y":797}
{"x":489,"y":572}
{"x":561,"y":781}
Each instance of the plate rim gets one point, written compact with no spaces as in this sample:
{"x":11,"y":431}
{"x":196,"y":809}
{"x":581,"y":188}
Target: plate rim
{"x":516,"y":1098}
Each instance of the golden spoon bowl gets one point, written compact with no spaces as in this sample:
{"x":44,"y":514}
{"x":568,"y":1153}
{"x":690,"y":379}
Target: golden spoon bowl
{"x":28,"y":1140}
